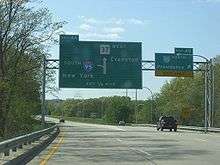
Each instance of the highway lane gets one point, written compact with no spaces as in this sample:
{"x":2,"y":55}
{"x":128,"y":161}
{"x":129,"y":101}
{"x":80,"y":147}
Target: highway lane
{"x":90,"y":144}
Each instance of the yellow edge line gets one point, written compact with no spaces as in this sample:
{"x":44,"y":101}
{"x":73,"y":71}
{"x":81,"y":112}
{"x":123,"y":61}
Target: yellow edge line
{"x":52,"y":151}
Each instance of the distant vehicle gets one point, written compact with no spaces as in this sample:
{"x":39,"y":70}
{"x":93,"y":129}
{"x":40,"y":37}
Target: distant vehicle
{"x":62,"y":120}
{"x":121,"y":123}
{"x":167,"y":122}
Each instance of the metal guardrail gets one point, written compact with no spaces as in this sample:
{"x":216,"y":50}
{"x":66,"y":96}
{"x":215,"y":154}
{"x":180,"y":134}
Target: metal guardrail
{"x":18,"y":142}
{"x":191,"y":128}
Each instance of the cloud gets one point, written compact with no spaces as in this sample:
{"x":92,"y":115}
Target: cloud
{"x":91,"y":20}
{"x":114,"y":21}
{"x":85,"y":27}
{"x":100,"y":36}
{"x":206,"y":1}
{"x":136,"y":21}
{"x":114,"y":30}
{"x":108,"y":29}
{"x":118,"y":21}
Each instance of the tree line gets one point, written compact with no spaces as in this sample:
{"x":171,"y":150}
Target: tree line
{"x":182,"y":98}
{"x":25,"y":35}
{"x":110,"y":109}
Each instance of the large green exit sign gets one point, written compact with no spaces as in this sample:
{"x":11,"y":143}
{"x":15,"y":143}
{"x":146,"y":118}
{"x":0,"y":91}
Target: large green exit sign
{"x":92,"y":64}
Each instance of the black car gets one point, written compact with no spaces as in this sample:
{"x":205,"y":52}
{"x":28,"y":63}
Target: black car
{"x":167,"y":122}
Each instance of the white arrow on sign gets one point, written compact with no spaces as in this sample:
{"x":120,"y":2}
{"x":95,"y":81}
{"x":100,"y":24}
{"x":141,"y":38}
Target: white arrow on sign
{"x":104,"y":65}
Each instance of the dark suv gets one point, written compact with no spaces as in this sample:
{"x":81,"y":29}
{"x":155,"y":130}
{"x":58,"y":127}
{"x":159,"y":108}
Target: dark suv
{"x":167,"y":122}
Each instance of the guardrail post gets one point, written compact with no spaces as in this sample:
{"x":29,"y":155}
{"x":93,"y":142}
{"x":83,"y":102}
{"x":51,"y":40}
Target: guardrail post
{"x":6,"y":153}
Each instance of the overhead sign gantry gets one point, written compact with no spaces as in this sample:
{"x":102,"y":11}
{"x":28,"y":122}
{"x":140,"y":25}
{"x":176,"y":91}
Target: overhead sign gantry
{"x":119,"y":65}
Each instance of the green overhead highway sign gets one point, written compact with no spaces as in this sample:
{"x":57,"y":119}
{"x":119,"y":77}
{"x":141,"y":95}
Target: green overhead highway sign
{"x":169,"y":64}
{"x":91,"y":64}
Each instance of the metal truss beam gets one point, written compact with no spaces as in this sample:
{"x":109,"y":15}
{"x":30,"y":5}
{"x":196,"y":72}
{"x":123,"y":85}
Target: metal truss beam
{"x":149,"y":65}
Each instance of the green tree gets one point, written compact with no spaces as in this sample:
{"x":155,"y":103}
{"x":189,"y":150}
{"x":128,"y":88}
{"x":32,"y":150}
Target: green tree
{"x":183,"y":99}
{"x":25,"y":33}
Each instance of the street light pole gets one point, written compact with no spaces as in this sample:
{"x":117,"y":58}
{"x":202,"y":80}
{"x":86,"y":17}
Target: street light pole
{"x":206,"y":106}
{"x":151,"y":117}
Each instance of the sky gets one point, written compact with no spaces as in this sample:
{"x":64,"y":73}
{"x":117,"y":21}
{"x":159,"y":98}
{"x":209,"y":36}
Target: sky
{"x":160,"y":25}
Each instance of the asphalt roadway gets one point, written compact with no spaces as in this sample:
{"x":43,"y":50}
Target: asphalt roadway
{"x":90,"y":144}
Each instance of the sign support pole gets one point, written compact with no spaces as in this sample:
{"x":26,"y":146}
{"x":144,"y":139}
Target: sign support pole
{"x":210,"y":93}
{"x":213,"y":92}
{"x":206,"y":106}
{"x":136,"y":114}
{"x":152,"y":114}
{"x":43,"y":92}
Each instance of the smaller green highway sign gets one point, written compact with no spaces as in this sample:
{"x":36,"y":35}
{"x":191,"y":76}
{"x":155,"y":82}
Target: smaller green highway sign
{"x":169,"y":64}
{"x":183,"y":51}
